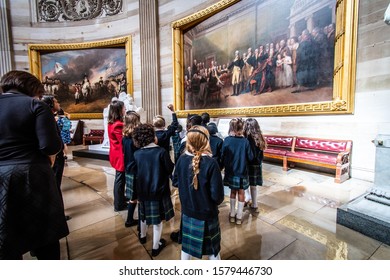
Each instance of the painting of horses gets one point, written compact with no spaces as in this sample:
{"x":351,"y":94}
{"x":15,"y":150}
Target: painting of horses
{"x":84,"y":80}
{"x":84,"y":77}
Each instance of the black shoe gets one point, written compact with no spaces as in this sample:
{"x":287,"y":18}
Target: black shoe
{"x":175,"y":236}
{"x":68,"y":218}
{"x":131,"y":223}
{"x":142,"y":240}
{"x":156,"y":252}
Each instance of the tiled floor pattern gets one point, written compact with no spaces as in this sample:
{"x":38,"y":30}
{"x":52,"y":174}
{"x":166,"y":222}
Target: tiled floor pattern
{"x":296,"y":221}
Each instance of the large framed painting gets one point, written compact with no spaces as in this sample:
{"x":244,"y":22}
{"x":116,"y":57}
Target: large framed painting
{"x":266,"y":58}
{"x":84,"y":77}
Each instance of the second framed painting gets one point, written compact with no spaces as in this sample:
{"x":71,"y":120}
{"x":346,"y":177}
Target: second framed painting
{"x":266,"y":58}
{"x":84,"y":77}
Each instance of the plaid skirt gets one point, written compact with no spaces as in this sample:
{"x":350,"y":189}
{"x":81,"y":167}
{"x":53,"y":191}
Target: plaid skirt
{"x":154,"y":212}
{"x":236,"y":183}
{"x":200,"y":237}
{"x":255,"y":175}
{"x":130,"y":190}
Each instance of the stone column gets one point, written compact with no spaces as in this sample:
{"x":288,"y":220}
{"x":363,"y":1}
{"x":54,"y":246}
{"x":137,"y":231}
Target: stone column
{"x":150,"y":59}
{"x":333,"y":9}
{"x":293,"y":30}
{"x":5,"y":47}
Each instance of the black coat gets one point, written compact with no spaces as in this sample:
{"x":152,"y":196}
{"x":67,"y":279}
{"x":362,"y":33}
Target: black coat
{"x":31,"y":209}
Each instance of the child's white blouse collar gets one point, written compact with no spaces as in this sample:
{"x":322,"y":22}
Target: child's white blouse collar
{"x":189,"y":154}
{"x":151,"y":145}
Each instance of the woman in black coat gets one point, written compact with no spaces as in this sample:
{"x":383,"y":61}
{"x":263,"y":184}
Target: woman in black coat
{"x":31,"y":210}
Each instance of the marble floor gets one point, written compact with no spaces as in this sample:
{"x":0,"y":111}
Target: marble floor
{"x":296,"y":221}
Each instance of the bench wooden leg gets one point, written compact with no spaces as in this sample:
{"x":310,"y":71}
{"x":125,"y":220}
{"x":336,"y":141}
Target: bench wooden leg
{"x":285,"y":164}
{"x":342,"y":173}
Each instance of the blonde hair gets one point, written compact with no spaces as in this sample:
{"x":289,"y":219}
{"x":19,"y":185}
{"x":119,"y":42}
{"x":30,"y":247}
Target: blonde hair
{"x":159,"y":122}
{"x":132,"y":119}
{"x":197,"y":144}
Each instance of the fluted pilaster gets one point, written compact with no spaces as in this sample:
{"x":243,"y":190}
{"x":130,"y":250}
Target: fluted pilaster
{"x":151,"y":96}
{"x":5,"y":47}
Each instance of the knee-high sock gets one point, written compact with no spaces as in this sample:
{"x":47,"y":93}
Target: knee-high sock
{"x":215,"y":258}
{"x":185,"y":256}
{"x":232,"y":207}
{"x":240,"y":209}
{"x":157,"y":231}
{"x":247,"y":195}
{"x":254,"y":196}
{"x":143,"y":228}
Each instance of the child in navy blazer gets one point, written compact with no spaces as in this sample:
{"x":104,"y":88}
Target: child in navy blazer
{"x":236,"y":153}
{"x":153,"y":169}
{"x":258,"y":144}
{"x":164,"y":134}
{"x":132,"y":120}
{"x":199,"y":179}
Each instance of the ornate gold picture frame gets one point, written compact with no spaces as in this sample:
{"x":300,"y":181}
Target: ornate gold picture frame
{"x":84,"y":77}
{"x":205,"y":35}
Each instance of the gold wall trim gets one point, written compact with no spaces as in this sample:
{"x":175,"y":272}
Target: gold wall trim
{"x":35,"y":51}
{"x":191,"y":20}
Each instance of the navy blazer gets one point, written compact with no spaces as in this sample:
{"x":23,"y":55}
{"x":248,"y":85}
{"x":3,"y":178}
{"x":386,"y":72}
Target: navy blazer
{"x":201,"y":204}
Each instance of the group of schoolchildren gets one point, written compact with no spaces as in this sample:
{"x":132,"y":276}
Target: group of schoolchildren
{"x":140,"y":154}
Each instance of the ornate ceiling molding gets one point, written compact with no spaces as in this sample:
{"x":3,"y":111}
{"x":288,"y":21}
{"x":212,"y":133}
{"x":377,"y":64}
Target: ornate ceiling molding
{"x":76,"y":10}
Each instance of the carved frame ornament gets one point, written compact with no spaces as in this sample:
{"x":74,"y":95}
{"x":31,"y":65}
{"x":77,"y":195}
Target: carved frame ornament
{"x":344,"y":71}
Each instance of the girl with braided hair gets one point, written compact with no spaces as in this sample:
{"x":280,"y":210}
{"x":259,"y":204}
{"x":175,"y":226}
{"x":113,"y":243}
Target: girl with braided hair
{"x":258,"y":144}
{"x":199,"y":179}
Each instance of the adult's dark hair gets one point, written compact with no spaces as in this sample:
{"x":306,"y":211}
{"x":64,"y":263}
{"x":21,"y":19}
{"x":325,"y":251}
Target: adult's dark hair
{"x":116,"y":111}
{"x":23,"y":82}
{"x":205,"y":118}
{"x":143,"y":135}
{"x":49,"y":100}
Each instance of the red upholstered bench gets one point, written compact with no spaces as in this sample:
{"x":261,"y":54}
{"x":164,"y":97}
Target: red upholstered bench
{"x":95,"y":135}
{"x":328,"y":153}
{"x":278,"y":146}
